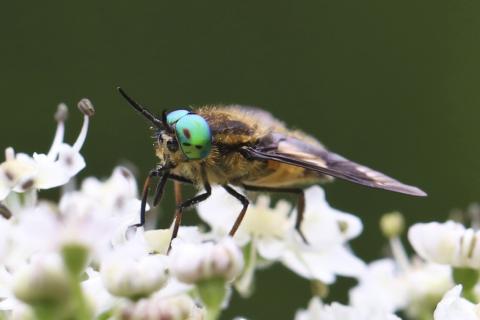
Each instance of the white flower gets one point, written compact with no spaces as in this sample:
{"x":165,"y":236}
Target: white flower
{"x":192,"y":262}
{"x":446,"y":243}
{"x":381,"y":287}
{"x":454,"y":307}
{"x":327,"y":231}
{"x":385,"y":286}
{"x":316,"y":311}
{"x":427,"y":283}
{"x":21,"y":172}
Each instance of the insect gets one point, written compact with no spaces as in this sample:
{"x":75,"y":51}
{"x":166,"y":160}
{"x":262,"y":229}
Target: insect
{"x":244,"y":147}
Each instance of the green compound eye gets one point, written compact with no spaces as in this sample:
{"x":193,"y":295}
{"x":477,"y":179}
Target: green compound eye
{"x":194,"y":136}
{"x":174,"y":116}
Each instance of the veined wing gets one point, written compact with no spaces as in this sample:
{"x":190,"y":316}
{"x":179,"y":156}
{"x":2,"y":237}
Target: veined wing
{"x":293,"y":151}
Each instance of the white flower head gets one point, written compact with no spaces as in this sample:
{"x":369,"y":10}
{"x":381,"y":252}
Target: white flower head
{"x":453,"y":307}
{"x":446,"y":243}
{"x":271,"y":231}
{"x":21,"y":172}
{"x":100,"y":213}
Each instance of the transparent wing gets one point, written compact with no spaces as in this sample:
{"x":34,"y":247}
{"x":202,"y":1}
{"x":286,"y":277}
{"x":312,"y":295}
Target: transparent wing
{"x":296,"y":152}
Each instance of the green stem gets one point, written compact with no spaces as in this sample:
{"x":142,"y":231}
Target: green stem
{"x":80,"y":305}
{"x":212,"y":292}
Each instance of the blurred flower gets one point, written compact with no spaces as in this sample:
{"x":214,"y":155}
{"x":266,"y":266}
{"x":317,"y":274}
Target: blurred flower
{"x":45,"y":279}
{"x":316,"y":311}
{"x":446,"y":243}
{"x":95,"y":292}
{"x":454,"y":307}
{"x":21,"y":172}
{"x":426,"y":284}
{"x":180,"y":307}
{"x":381,"y":287}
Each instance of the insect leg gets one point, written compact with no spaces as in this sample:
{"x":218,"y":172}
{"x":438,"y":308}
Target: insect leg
{"x":179,"y":178}
{"x":300,"y":203}
{"x":177,"y":219}
{"x":189,"y":203}
{"x":160,"y":188}
{"x":146,"y":188}
{"x":245,"y":204}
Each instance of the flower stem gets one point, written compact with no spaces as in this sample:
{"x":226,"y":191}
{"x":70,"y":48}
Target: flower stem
{"x":212,"y":292}
{"x":80,"y":306}
{"x":467,"y":278}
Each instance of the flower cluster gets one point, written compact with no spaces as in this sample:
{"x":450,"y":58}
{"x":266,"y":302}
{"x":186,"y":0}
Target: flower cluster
{"x":79,"y":258}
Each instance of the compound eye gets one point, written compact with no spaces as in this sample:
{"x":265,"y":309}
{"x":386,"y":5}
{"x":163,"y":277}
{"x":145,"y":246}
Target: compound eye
{"x":194,"y":136}
{"x":174,"y":116}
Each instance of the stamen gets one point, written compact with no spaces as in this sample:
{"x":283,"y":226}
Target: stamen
{"x":60,"y":116}
{"x":86,"y":107}
{"x":9,"y":154}
{"x":399,"y":253}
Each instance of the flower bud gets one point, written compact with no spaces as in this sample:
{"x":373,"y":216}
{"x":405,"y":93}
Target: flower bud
{"x":392,"y":224}
{"x":125,"y":277}
{"x":194,"y":262}
{"x":180,"y":307}
{"x":45,"y":280}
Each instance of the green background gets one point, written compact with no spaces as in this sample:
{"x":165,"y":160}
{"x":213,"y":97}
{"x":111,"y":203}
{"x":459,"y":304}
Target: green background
{"x":391,"y":84}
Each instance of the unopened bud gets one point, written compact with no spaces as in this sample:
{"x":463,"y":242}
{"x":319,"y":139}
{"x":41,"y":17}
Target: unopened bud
{"x":44,"y":280}
{"x":125,"y":277}
{"x":179,"y":307}
{"x":191,"y":263}
{"x":392,"y":224}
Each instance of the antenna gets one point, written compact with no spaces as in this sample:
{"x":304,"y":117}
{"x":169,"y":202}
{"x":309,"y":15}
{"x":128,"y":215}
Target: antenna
{"x":141,"y":109}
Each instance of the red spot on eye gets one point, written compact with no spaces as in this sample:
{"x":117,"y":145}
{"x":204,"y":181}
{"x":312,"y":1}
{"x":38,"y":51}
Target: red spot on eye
{"x":186,"y":132}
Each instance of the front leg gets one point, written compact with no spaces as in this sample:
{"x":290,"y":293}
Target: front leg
{"x":190,"y":202}
{"x":146,"y":188}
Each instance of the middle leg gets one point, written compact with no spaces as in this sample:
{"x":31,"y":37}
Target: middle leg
{"x":300,"y":203}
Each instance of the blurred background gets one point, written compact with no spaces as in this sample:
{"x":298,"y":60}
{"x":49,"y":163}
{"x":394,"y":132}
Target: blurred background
{"x":393,"y":85}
